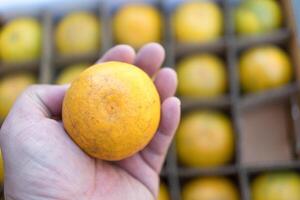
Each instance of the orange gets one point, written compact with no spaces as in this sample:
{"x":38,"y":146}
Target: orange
{"x":197,"y":22}
{"x":163,"y":192}
{"x":11,"y":86}
{"x":111,"y":110}
{"x":210,"y":188}
{"x":205,"y":139}
{"x":276,"y":186}
{"x":137,"y":24}
{"x":257,"y":16}
{"x":264,"y":67}
{"x":20,"y":40}
{"x":78,"y":33}
{"x":70,"y":73}
{"x":202,"y":75}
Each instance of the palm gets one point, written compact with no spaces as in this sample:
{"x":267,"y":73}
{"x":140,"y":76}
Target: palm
{"x":62,"y":166}
{"x":41,"y":161}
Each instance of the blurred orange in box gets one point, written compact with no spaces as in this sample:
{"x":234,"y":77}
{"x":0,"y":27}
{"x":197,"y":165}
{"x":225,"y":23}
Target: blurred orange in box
{"x":20,"y":40}
{"x":210,"y":188}
{"x":264,"y":67}
{"x":201,"y":75}
{"x":137,"y":24}
{"x":78,"y":33}
{"x":257,"y":16}
{"x":276,"y":186}
{"x":205,"y":139}
{"x":197,"y":22}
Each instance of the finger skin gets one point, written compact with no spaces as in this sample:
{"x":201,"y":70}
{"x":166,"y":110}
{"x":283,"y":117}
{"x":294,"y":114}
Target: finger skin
{"x":152,"y":157}
{"x":155,"y":152}
{"x":166,"y":83}
{"x":121,"y":53}
{"x":39,"y":101}
{"x":150,"y":58}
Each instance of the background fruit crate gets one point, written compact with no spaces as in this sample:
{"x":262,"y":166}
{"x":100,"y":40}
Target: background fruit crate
{"x":266,"y":125}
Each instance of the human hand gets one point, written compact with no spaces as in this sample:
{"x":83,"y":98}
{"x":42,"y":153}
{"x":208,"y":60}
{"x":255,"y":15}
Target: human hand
{"x":42,"y":162}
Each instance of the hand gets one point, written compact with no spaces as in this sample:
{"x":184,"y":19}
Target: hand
{"x":42,"y":162}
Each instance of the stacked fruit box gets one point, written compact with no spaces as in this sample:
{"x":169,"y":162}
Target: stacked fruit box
{"x":239,"y":126}
{"x":264,"y":118}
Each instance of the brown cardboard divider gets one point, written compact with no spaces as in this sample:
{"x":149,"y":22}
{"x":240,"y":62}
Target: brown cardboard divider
{"x":295,"y":115}
{"x":221,"y":102}
{"x":266,"y":137}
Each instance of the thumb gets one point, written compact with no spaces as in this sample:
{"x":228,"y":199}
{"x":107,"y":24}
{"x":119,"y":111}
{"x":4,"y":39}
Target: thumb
{"x":36,"y":103}
{"x":39,"y":101}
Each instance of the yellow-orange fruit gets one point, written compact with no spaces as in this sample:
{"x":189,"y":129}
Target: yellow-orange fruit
{"x":210,"y":188}
{"x":112,"y":110}
{"x":78,"y":33}
{"x":284,"y":185}
{"x":20,"y":40}
{"x":137,"y":24}
{"x":197,"y":22}
{"x":201,"y":75}
{"x":264,"y":67}
{"x":205,"y":139}
{"x":258,"y":16}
